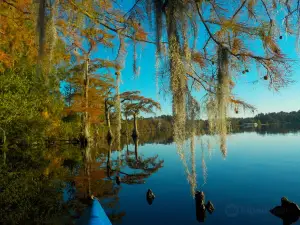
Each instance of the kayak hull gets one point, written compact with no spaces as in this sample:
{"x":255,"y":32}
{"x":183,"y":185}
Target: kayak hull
{"x":94,"y":215}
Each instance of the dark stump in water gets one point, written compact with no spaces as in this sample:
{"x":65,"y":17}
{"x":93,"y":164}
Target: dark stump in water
{"x":200,"y":206}
{"x":150,"y":196}
{"x":150,"y":201}
{"x":200,"y":197}
{"x":289,"y":211}
{"x":118,"y":180}
{"x":210,"y":207}
{"x":291,"y":207}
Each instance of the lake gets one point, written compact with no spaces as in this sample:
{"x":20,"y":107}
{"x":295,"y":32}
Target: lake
{"x":258,"y":170}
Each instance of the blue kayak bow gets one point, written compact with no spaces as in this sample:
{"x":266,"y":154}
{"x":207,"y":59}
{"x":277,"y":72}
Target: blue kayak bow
{"x":94,"y":215}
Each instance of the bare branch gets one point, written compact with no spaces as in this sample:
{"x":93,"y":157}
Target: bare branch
{"x":238,"y":10}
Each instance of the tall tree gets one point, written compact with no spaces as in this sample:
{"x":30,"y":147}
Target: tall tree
{"x":30,"y":104}
{"x":133,"y":104}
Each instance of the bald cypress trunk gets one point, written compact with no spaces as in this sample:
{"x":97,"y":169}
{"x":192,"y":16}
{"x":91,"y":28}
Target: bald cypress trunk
{"x":86,"y":122}
{"x":118,"y":112}
{"x":135,"y":133}
{"x":88,"y":170}
{"x":109,"y":136}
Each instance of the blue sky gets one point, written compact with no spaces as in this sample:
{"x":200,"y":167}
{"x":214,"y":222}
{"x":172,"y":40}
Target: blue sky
{"x":258,"y":94}
{"x":265,"y":100}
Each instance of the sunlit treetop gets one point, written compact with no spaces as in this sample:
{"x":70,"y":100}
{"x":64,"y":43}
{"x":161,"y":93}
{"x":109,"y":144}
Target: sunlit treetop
{"x":134,"y":103}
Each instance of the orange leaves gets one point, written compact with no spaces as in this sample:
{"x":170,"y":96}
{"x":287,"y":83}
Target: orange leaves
{"x":62,"y":25}
{"x":198,"y":58}
{"x":135,"y":25}
{"x":17,"y":35}
{"x":231,"y":84}
{"x":141,"y":34}
{"x":97,"y":34}
{"x":93,"y":104}
{"x":66,"y":57}
{"x":105,"y":4}
{"x":23,"y":4}
{"x":96,"y":115}
{"x":240,"y":103}
{"x":232,"y":100}
{"x":270,"y":43}
{"x":268,"y":40}
{"x":250,"y":8}
{"x":230,"y":25}
{"x":5,"y":59}
{"x":237,"y":45}
{"x":221,"y":34}
{"x":108,"y":64}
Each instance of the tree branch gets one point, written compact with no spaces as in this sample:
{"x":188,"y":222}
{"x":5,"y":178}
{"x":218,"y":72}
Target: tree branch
{"x":238,"y":10}
{"x":116,"y":30}
{"x":265,"y":6}
{"x":137,"y":1}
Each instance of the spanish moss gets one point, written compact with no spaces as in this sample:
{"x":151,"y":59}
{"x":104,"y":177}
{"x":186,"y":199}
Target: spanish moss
{"x":135,"y":66}
{"x":178,"y":87}
{"x":223,"y":96}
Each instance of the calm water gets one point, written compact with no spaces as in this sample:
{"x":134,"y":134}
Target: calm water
{"x":256,"y":173}
{"x":49,"y":186}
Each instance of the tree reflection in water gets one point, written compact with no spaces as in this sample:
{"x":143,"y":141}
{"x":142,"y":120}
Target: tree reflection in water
{"x":52,"y":184}
{"x":32,"y":184}
{"x":98,"y":176}
{"x":92,"y":180}
{"x":145,"y":166}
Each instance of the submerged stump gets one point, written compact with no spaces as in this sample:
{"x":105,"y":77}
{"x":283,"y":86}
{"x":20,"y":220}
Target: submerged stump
{"x":150,"y":196}
{"x":210,"y":207}
{"x":201,"y":207}
{"x":288,"y":211}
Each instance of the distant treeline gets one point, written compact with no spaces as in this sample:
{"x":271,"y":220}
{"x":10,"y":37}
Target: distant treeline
{"x":164,"y":122}
{"x":269,"y":119}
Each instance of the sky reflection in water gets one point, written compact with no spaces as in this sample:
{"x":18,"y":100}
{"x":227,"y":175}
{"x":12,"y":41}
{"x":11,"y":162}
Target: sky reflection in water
{"x":257,"y":172}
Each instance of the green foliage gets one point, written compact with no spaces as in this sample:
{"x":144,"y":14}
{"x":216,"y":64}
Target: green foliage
{"x":24,"y":98}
